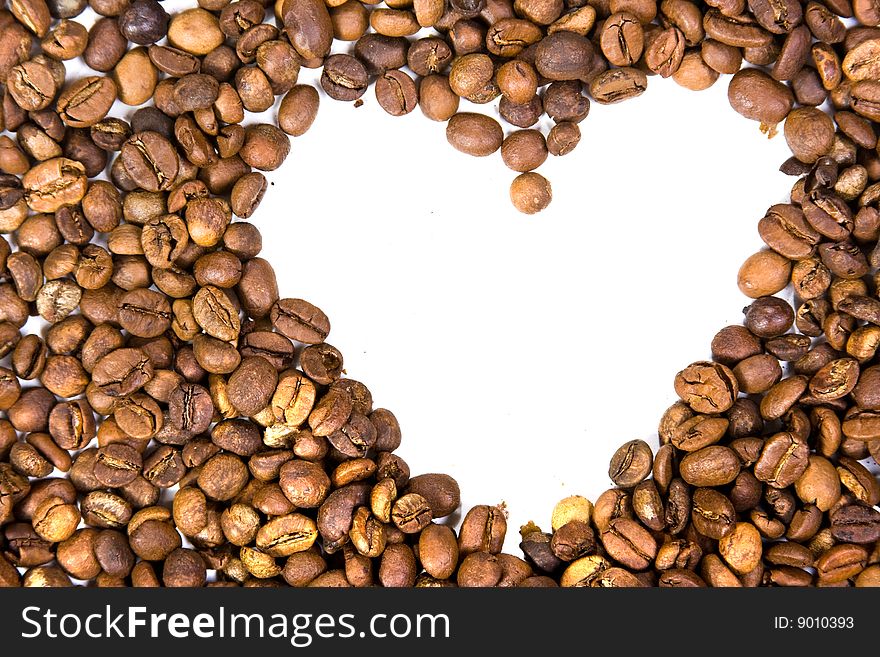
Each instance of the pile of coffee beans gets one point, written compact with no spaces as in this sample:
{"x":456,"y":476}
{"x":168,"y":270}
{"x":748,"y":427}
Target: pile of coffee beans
{"x":179,"y":423}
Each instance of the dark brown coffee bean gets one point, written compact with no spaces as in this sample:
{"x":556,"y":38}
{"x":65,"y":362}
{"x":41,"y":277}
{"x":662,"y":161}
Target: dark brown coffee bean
{"x":631,"y":464}
{"x":150,"y":160}
{"x":482,"y":530}
{"x":474,"y":134}
{"x":617,"y":85}
{"x":707,"y":387}
{"x":300,"y":321}
{"x":769,"y":317}
{"x":711,"y":466}
{"x":144,"y":313}
{"x":252,"y":385}
{"x":440,"y":490}
{"x":396,"y":93}
{"x":344,"y":78}
{"x":411,"y":513}
{"x":322,"y":363}
{"x":190,"y":408}
{"x":713,"y":513}
{"x":117,"y":465}
{"x":629,"y":543}
{"x":856,"y":523}
{"x":783,"y":460}
{"x":164,"y":467}
{"x":336,"y":513}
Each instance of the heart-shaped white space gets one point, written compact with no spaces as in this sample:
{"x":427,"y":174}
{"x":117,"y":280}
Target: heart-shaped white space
{"x":518,"y":352}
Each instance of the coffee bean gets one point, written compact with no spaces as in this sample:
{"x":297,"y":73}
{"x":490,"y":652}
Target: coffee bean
{"x":707,"y":387}
{"x":411,"y":513}
{"x":396,"y":93}
{"x":265,"y":147}
{"x":286,"y":535}
{"x":530,"y":192}
{"x":214,"y":312}
{"x":308,"y":26}
{"x":344,"y":78}
{"x":190,"y":408}
{"x":482,"y":530}
{"x":474,"y":134}
{"x":855,"y":523}
{"x":143,"y":22}
{"x":85,"y":102}
{"x":439,"y":490}
{"x":711,"y":466}
{"x":438,"y":551}
{"x":758,"y":97}
{"x":783,"y":460}
{"x":617,"y":85}
{"x":741,"y":548}
{"x":629,"y":543}
{"x":164,"y":467}
{"x":631,"y":463}
{"x":563,"y":56}
{"x":809,"y":133}
{"x":713,"y":513}
{"x":252,"y":384}
{"x":336,"y":513}
{"x":117,"y":465}
{"x":436,"y":99}
{"x":300,"y":321}
{"x":54,"y":183}
{"x":144,"y":313}
{"x":150,"y":160}
{"x":622,"y":39}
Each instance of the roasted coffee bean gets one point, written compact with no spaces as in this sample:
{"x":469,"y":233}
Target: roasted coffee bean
{"x":631,"y":464}
{"x":482,"y":530}
{"x":711,"y":466}
{"x":441,"y":491}
{"x":143,"y":22}
{"x":285,"y":535}
{"x":617,"y":85}
{"x":344,"y":78}
{"x":629,"y":543}
{"x":474,"y":134}
{"x":87,"y":101}
{"x":713,"y":513}
{"x":856,"y":523}
{"x":530,"y":192}
{"x":336,"y":513}
{"x":300,"y":321}
{"x":117,"y":465}
{"x":707,"y":387}
{"x":783,"y":460}
{"x":396,"y":93}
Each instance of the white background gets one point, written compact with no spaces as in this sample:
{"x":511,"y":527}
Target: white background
{"x":519,"y":351}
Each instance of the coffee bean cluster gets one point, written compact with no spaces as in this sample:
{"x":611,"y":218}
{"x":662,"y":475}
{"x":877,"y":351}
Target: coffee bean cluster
{"x":179,"y":423}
